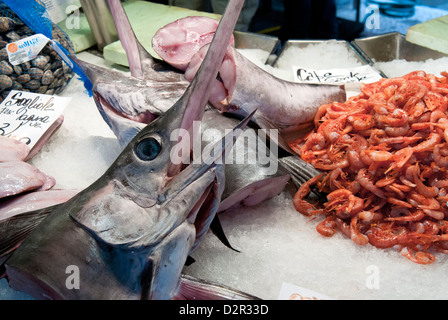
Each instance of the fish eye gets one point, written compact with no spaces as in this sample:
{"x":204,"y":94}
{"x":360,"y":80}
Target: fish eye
{"x":148,"y":149}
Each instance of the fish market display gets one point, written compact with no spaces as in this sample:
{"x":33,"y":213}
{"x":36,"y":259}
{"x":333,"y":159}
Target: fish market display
{"x":131,"y":231}
{"x":383,"y":158}
{"x":242,"y":86}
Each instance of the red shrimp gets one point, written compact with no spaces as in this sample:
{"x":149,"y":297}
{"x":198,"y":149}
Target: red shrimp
{"x":396,"y":118}
{"x":419,"y":257}
{"x":382,"y":238}
{"x":356,"y":235}
{"x":424,"y":190}
{"x":300,"y":204}
{"x":327,"y":227}
{"x":404,"y":214}
{"x":428,"y":145}
{"x":361,"y":121}
{"x":441,"y":155}
{"x":385,"y":152}
{"x":366,"y":182}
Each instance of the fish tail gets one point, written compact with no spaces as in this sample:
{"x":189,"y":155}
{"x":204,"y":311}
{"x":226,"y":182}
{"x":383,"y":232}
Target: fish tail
{"x":218,"y":231}
{"x":195,"y":289}
{"x":299,"y":170}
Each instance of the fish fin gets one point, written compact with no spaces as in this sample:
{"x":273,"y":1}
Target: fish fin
{"x":190,"y":261}
{"x":196,"y":289}
{"x":15,"y":229}
{"x":300,"y":172}
{"x":218,"y":231}
{"x":147,"y":277}
{"x":263,"y":123}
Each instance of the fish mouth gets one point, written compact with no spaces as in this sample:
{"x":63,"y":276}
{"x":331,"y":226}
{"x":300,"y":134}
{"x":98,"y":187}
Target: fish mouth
{"x":198,"y":189}
{"x":203,"y":212}
{"x":204,"y":182}
{"x":145,"y":117}
{"x":202,"y":202}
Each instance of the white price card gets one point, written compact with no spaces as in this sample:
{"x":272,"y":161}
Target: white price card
{"x":363,"y":74}
{"x":292,"y":292}
{"x":26,"y":116}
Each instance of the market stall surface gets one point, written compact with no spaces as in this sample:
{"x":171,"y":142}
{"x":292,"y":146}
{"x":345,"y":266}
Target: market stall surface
{"x":277,"y":244}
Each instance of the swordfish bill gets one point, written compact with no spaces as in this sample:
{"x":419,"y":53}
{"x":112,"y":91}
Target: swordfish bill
{"x":138,"y":58}
{"x":198,"y":93}
{"x":128,"y":235}
{"x":240,"y":187}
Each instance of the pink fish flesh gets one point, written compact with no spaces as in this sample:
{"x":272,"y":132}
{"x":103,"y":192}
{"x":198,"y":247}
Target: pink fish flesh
{"x":18,"y":176}
{"x":191,"y":32}
{"x":12,"y":149}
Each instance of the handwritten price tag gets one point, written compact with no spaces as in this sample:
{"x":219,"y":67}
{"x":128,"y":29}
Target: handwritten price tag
{"x":289,"y":291}
{"x":26,"y":116}
{"x":364,"y":74}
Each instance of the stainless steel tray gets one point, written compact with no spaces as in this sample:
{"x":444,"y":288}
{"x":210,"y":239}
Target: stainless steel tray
{"x":391,"y":46}
{"x":250,"y":40}
{"x":302,"y":44}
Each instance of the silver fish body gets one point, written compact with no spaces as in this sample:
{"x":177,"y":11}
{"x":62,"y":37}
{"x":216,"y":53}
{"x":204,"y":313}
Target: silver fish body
{"x":128,"y":235}
{"x":128,"y":110}
{"x":243,"y":86}
{"x":253,"y":173}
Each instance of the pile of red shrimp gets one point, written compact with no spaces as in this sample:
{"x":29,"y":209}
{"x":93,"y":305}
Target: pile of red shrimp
{"x":384,"y":161}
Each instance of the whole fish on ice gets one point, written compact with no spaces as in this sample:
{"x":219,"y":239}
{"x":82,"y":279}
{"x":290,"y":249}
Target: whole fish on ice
{"x":130,"y":232}
{"x":242,"y":86}
{"x":246,"y":183}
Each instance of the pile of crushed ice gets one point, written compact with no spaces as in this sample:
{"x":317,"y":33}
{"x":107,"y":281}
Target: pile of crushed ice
{"x":400,"y":67}
{"x":277,"y":244}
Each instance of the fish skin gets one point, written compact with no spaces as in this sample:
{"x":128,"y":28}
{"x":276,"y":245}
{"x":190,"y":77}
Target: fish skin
{"x":247,"y":182}
{"x":294,"y":103}
{"x":131,"y":231}
{"x":243,"y":87}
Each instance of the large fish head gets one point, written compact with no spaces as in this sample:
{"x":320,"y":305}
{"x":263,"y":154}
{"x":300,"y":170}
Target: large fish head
{"x":153,"y":202}
{"x":126,"y":103}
